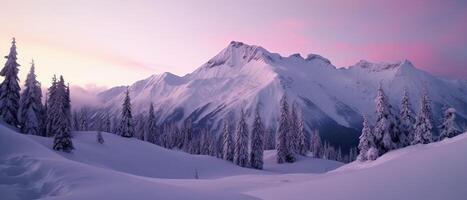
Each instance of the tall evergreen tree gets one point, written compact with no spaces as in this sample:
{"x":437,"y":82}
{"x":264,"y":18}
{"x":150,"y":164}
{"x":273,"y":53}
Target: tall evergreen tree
{"x":294,"y":131}
{"x":302,"y":144}
{"x":9,"y":88}
{"x":126,"y":128}
{"x":316,"y":146}
{"x":187,"y":136}
{"x":366,"y":140}
{"x":228,"y":143}
{"x":84,"y":119}
{"x":241,"y":142}
{"x":30,"y":105}
{"x":407,"y":120}
{"x":256,"y":144}
{"x":205,"y":142}
{"x":284,"y":154}
{"x":140,"y":126}
{"x":152,"y":125}
{"x":448,"y":128}
{"x":423,"y":133}
{"x":386,"y":131}
{"x":61,"y":127}
{"x":51,"y":108}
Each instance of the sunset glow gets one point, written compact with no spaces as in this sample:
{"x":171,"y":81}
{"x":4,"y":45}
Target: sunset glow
{"x":107,"y":43}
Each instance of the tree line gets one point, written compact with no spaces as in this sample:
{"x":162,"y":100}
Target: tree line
{"x":392,"y":131}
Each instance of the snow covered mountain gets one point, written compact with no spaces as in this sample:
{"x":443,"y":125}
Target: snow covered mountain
{"x":245,"y":76}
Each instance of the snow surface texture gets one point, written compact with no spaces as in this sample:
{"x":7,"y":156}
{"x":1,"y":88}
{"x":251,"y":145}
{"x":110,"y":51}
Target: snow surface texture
{"x":121,"y":168}
{"x":246,"y":76}
{"x":124,"y":168}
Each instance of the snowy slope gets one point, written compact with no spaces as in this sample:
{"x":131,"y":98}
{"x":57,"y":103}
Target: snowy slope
{"x":149,"y":160}
{"x":246,"y":76}
{"x":433,"y":171}
{"x":30,"y":170}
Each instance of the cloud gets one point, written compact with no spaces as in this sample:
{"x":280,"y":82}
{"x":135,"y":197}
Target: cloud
{"x":85,"y":96}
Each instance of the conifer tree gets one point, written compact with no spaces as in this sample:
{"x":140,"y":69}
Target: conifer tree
{"x":187,"y":136}
{"x":140,"y":126}
{"x":293,"y":132}
{"x":302,"y":144}
{"x":284,"y":154}
{"x":366,"y":140}
{"x":61,"y":127}
{"x":256,"y":144}
{"x":424,"y":125}
{"x":30,"y":105}
{"x":126,"y":128}
{"x":448,"y":128}
{"x":228,"y":143}
{"x":407,"y":120}
{"x":241,"y":142}
{"x":386,"y":131}
{"x":51,"y":108}
{"x":152,"y":125}
{"x":316,"y":146}
{"x":205,"y":142}
{"x":9,"y":88}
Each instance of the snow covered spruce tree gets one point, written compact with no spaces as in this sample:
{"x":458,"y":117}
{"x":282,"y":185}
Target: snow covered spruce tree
{"x":302,"y":144}
{"x":187,"y":132}
{"x":366,"y":141}
{"x":284,"y":153}
{"x":68,"y":104}
{"x":30,"y":115}
{"x":316,"y":146}
{"x":140,"y":126}
{"x":126,"y":128}
{"x":205,"y":142}
{"x":386,"y":131}
{"x":423,"y":129}
{"x":257,"y":140}
{"x":228,"y":143}
{"x":241,"y":142}
{"x":407,"y":120}
{"x":61,"y":126}
{"x":151,"y":126}
{"x":9,"y":88}
{"x":293,"y":131}
{"x":51,"y":108}
{"x":448,"y":128}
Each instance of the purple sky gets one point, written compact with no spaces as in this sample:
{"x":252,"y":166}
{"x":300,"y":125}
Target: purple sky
{"x":129,"y":40}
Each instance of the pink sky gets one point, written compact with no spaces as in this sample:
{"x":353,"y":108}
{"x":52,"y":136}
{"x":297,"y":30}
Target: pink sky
{"x":108,"y":43}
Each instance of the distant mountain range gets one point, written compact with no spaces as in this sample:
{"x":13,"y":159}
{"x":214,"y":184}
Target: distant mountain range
{"x":331,"y":99}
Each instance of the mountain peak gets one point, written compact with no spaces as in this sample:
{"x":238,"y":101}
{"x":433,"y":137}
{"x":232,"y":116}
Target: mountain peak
{"x":317,"y":57}
{"x":239,"y":53}
{"x":383,"y":66}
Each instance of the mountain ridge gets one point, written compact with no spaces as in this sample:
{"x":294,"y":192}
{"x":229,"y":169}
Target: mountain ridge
{"x":245,"y":77}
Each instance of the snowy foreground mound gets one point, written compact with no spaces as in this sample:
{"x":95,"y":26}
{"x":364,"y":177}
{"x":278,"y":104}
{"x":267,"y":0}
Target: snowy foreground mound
{"x":130,"y":169}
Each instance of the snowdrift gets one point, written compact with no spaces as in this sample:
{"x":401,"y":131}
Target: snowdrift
{"x":120,"y":168}
{"x":433,"y":171}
